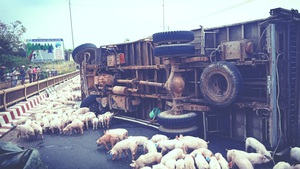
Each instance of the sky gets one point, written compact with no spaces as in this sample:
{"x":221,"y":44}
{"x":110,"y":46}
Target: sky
{"x":104,"y":22}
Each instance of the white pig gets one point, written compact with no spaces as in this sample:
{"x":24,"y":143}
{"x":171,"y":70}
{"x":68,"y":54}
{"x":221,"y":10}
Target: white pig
{"x":122,"y":133}
{"x":146,"y":159}
{"x":170,"y":164}
{"x":159,"y":166}
{"x":254,"y":158}
{"x":124,"y":145}
{"x":166,"y":145}
{"x":179,"y":164}
{"x":173,"y":154}
{"x":149,"y":147}
{"x":158,"y":137}
{"x":189,"y":162}
{"x":282,"y":165}
{"x":222,"y":161}
{"x":95,"y":122}
{"x":25,"y":130}
{"x":213,"y":163}
{"x":193,"y":142}
{"x":258,"y":146}
{"x":204,"y":151}
{"x":295,"y":154}
{"x":240,"y":160}
{"x":200,"y":161}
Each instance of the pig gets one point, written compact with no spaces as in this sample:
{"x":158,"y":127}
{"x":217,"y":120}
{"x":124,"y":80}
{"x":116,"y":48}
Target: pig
{"x":222,"y":161}
{"x":56,"y":124}
{"x":189,"y":162}
{"x":176,"y":153}
{"x":204,"y":151}
{"x":254,"y":158}
{"x":89,"y":116}
{"x":25,"y":130}
{"x":240,"y":160}
{"x":169,"y":145}
{"x":213,"y":163}
{"x":139,"y":139}
{"x":295,"y":153}
{"x":192,"y":142}
{"x":282,"y":165}
{"x":122,"y":133}
{"x":200,"y":161}
{"x":179,"y":164}
{"x":108,"y":138}
{"x":124,"y":145}
{"x":45,"y":124}
{"x":38,"y":130}
{"x":170,"y":164}
{"x":159,"y":166}
{"x":158,"y":137}
{"x":146,"y":167}
{"x":76,"y":125}
{"x":18,"y":122}
{"x":95,"y":122}
{"x":107,"y":116}
{"x":258,"y":146}
{"x":149,"y":147}
{"x":101,"y":120}
{"x":146,"y":159}
{"x":82,"y":110}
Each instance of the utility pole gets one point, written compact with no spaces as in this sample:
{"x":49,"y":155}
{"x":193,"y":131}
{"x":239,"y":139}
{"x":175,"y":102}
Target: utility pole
{"x":163,"y":15}
{"x":71,"y":23}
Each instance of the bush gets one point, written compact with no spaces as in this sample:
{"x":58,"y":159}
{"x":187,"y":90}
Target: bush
{"x":13,"y":61}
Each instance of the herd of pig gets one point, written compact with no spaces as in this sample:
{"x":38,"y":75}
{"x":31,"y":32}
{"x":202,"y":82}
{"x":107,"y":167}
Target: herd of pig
{"x":60,"y":113}
{"x":186,"y":152}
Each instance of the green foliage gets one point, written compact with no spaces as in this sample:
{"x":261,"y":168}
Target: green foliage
{"x":11,"y":42}
{"x":62,"y":67}
{"x":13,"y":61}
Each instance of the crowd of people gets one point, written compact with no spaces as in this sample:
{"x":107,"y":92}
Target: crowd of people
{"x":31,"y":73}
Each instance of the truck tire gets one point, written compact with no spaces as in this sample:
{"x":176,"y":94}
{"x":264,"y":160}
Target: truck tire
{"x":172,"y":133}
{"x":177,"y":121}
{"x":92,"y":103}
{"x":172,"y":51}
{"x":78,"y":52}
{"x":173,"y":37}
{"x":221,"y":83}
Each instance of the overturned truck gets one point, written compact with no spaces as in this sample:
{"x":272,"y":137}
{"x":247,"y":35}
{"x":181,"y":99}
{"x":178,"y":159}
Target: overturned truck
{"x":237,"y":81}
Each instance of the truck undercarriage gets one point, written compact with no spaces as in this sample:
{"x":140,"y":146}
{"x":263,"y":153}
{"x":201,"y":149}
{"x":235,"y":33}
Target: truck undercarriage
{"x":237,"y":81}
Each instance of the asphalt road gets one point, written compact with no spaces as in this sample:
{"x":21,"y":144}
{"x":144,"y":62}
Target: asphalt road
{"x":60,"y":151}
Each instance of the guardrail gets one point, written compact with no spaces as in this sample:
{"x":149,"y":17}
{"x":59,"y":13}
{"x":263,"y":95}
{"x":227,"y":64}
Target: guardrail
{"x":16,"y":94}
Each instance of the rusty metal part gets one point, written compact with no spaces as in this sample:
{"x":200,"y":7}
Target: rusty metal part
{"x":195,"y":59}
{"x":237,"y":50}
{"x":175,"y":85}
{"x":122,"y":90}
{"x":133,"y":81}
{"x":195,"y":107}
{"x":86,"y":55}
{"x":157,"y":67}
{"x":105,"y":79}
{"x":125,"y":103}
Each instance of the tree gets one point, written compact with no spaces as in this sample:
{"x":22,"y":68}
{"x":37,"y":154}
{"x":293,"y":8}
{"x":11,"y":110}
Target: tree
{"x":11,"y":42}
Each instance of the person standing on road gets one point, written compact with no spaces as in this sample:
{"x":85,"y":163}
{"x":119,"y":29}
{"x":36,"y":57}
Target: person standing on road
{"x":30,"y":73}
{"x":15,"y":75}
{"x":22,"y":74}
{"x":2,"y":73}
{"x":34,"y":73}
